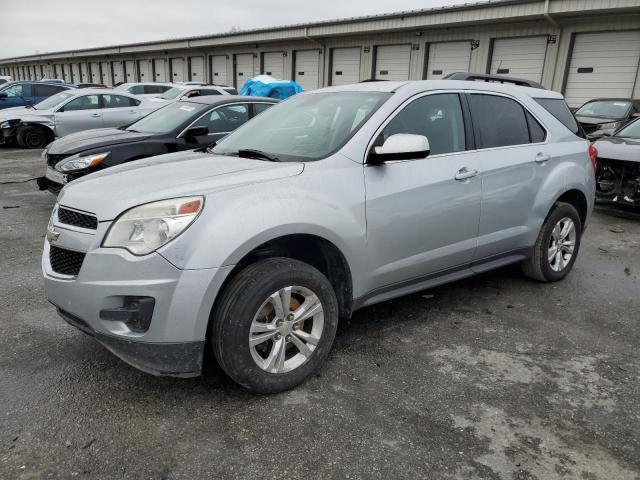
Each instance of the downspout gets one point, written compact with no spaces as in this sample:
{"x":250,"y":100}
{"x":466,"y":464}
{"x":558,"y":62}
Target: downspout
{"x":547,"y":15}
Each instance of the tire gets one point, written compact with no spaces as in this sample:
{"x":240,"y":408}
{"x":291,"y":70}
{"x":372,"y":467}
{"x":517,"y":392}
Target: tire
{"x":542,"y":265}
{"x":32,"y":137}
{"x":248,"y":307}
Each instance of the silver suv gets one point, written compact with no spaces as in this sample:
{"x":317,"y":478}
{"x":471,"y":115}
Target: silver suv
{"x":248,"y":253}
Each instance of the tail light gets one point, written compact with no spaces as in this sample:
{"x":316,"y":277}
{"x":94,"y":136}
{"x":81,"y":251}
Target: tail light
{"x":593,"y":155}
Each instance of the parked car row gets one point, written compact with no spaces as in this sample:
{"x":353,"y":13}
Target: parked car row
{"x":247,"y":252}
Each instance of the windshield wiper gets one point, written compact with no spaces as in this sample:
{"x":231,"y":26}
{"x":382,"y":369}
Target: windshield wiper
{"x":251,"y":153}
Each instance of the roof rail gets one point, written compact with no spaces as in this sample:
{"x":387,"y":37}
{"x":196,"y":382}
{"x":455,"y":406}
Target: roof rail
{"x":484,"y":77}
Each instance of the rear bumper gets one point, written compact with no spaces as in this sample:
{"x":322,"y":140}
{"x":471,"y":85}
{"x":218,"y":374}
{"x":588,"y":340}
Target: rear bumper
{"x":180,"y":359}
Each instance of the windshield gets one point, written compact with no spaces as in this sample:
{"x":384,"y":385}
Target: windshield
{"x":305,"y":127}
{"x":605,"y":109}
{"x":630,"y":131}
{"x":166,"y":119}
{"x":53,"y":101}
{"x":172,"y":93}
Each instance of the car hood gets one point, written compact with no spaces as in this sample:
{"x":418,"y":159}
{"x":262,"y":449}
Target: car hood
{"x":21,"y":112}
{"x":110,"y":192}
{"x":618,"y":148}
{"x":89,"y":139}
{"x":596,"y":120}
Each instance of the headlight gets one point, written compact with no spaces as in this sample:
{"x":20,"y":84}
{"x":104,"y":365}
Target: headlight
{"x":5,"y":125}
{"x":145,"y":228}
{"x":609,"y":126}
{"x":78,"y":163}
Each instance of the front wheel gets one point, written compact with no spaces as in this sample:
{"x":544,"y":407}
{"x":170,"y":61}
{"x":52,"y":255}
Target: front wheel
{"x":32,"y":137}
{"x":274,"y":325}
{"x":557,"y":246}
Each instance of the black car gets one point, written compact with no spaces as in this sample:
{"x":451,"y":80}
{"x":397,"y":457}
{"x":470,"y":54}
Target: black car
{"x":182,"y":125}
{"x":618,"y":172}
{"x":603,"y":116}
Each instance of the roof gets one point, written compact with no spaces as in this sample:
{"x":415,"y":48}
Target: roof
{"x":221,"y":99}
{"x":39,"y":82}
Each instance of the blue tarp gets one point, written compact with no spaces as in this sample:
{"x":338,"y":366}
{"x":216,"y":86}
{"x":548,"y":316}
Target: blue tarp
{"x":264,"y":86}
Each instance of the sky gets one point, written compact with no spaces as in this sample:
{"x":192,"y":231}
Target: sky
{"x":39,"y":26}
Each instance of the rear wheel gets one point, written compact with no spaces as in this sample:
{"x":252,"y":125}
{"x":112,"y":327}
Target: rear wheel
{"x":274,"y":325}
{"x":557,"y":246}
{"x":32,"y":137}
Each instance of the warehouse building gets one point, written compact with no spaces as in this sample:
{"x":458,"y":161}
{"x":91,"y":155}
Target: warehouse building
{"x":583,"y":48}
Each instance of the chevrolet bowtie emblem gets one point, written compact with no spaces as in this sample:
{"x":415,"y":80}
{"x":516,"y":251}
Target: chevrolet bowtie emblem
{"x":52,"y":235}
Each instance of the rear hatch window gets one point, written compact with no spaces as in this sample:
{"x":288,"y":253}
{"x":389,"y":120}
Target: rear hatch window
{"x":559,"y":109}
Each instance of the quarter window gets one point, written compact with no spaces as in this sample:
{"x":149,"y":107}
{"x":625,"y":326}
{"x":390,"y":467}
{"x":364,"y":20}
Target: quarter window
{"x":536,"y":132}
{"x":87,"y":102}
{"x":500,"y":121}
{"x":224,"y":119}
{"x":437,"y":117}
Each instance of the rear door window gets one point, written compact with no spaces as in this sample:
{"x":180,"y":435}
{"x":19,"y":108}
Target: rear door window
{"x":499,"y":121}
{"x":19,"y":90}
{"x":118,"y":101}
{"x":86,"y":102}
{"x":224,"y":119}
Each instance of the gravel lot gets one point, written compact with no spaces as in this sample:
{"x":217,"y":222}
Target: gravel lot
{"x":494,"y":377}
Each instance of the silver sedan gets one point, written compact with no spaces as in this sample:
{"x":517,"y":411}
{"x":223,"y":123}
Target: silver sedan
{"x":35,"y":126}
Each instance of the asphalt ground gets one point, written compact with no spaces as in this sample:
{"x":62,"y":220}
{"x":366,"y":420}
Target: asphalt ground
{"x":494,"y":377}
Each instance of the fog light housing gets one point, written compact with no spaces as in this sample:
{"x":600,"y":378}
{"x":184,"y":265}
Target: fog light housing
{"x":135,"y":313}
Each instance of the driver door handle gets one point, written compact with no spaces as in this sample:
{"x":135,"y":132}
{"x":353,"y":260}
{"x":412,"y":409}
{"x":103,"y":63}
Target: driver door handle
{"x":95,"y":114}
{"x":542,"y":158}
{"x":465,"y":174}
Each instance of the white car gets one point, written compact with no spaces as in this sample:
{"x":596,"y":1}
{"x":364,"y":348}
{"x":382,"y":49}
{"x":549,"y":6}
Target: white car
{"x":145,"y":89}
{"x":183,"y":91}
{"x":71,"y":111}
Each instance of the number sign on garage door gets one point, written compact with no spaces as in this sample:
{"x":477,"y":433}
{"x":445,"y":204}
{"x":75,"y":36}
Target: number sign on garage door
{"x":307,"y":69}
{"x":245,"y":68}
{"x":448,"y":57}
{"x":602,"y":65}
{"x":521,"y":57}
{"x":196,"y":69}
{"x":177,"y":70}
{"x":392,"y":62}
{"x":219,"y":70}
{"x":273,"y":64}
{"x":345,"y":66}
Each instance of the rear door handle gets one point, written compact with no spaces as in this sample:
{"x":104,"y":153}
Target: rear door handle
{"x":95,"y":114}
{"x":464,"y":174}
{"x":542,"y":158}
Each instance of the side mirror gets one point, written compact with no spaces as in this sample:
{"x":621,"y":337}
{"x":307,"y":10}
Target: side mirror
{"x":3,"y":95}
{"x":401,"y":146}
{"x":191,"y":134}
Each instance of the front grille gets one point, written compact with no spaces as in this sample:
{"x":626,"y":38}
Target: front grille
{"x":66,"y":262}
{"x":77,"y":219}
{"x":53,"y":160}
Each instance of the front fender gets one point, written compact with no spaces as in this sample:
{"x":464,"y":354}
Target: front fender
{"x":327,"y":204}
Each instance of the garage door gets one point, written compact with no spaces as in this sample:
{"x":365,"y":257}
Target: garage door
{"x":95,"y":72}
{"x":177,"y":70}
{"x":219,"y":70}
{"x":196,"y":69}
{"x":448,"y":57}
{"x":392,"y":62}
{"x":104,"y":71}
{"x":519,"y":57}
{"x":345,"y":66}
{"x":118,"y":72}
{"x":273,"y":64}
{"x":130,"y":70}
{"x":159,"y":70}
{"x":245,"y":68}
{"x":66,"y":73}
{"x":602,"y":65}
{"x":307,"y":69}
{"x":75,"y":73}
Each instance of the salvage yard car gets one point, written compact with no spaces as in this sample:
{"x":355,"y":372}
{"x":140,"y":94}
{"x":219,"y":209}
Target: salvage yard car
{"x":20,"y":94}
{"x":182,"y":125}
{"x":190,"y":90}
{"x":325,"y":203}
{"x":603,"y":116}
{"x":618,"y":174}
{"x":145,"y":89}
{"x":68,"y":112}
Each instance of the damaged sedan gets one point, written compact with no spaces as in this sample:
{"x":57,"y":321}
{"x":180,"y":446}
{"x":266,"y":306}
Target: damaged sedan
{"x":618,"y":173}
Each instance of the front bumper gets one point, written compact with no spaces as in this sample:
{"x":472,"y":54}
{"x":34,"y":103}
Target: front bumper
{"x":174,"y":342}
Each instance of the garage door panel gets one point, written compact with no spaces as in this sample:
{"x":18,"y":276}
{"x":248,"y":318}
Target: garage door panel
{"x":245,"y":68}
{"x":520,"y":57}
{"x":307,"y":69}
{"x":345,"y":68}
{"x":159,"y":70}
{"x":448,"y":57}
{"x":273,"y":64}
{"x":177,"y":70}
{"x":196,"y":69}
{"x":219,"y":70}
{"x":392,"y":62}
{"x":602,"y":64}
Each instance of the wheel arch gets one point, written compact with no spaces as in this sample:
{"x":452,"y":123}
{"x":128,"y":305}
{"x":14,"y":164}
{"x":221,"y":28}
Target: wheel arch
{"x":48,"y":130}
{"x":578,"y":200}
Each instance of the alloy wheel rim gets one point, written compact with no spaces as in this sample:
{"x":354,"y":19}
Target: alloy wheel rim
{"x":561,"y":244}
{"x":286,"y":329}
